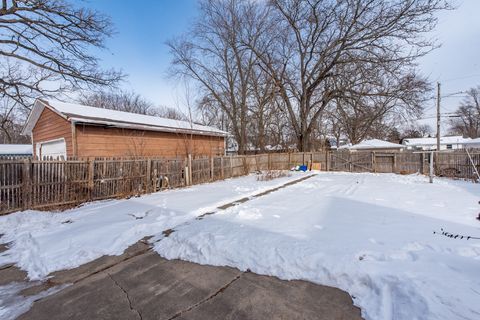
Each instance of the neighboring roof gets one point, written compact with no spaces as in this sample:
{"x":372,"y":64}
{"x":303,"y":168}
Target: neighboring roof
{"x":375,"y":144}
{"x":90,"y":115}
{"x":16,"y":149}
{"x":433,"y":141}
{"x":475,"y":141}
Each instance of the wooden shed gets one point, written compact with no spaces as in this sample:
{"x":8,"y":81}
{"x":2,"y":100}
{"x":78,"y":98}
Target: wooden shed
{"x":68,"y":130}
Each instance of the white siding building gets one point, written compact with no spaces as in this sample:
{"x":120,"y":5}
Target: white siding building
{"x":15,"y":150}
{"x":473,"y":143}
{"x":446,"y":143}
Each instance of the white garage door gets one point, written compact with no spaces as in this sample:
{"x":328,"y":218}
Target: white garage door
{"x":54,"y":149}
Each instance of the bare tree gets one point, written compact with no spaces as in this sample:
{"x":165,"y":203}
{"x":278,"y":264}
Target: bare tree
{"x":169,"y":113}
{"x":212,"y":54}
{"x":11,"y":124}
{"x":127,"y":101}
{"x":44,"y":49}
{"x":417,"y":131}
{"x":467,"y":122}
{"x":309,"y":44}
{"x":262,"y":106}
{"x":373,"y":103}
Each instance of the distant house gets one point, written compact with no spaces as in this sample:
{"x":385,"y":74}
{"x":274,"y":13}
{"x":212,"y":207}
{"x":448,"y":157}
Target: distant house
{"x":71,"y":130}
{"x":446,"y":143}
{"x":374,"y":145}
{"x":472,"y":143}
{"x":16,"y":150}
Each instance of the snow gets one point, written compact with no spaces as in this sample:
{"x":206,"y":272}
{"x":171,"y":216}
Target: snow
{"x":15,"y":149}
{"x":368,"y":234}
{"x":13,"y":303}
{"x":81,"y":113}
{"x":375,"y":144}
{"x":44,"y":242}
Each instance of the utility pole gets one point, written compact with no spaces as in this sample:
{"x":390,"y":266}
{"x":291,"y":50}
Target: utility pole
{"x":438,"y":116}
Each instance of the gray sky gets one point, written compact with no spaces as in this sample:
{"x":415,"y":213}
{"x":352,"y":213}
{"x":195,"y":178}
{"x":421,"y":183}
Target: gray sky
{"x":456,"y":63}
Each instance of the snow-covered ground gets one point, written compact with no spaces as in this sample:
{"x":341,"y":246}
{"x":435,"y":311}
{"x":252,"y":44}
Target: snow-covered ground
{"x":368,"y":234}
{"x":43,"y":242}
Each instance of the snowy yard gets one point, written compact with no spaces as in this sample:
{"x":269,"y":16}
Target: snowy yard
{"x":45,"y":242}
{"x":368,"y":234}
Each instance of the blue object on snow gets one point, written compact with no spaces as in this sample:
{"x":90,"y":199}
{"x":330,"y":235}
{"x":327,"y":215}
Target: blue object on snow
{"x":302,"y":168}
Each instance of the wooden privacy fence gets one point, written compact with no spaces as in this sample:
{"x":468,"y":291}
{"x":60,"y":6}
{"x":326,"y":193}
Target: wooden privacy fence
{"x":33,"y":184}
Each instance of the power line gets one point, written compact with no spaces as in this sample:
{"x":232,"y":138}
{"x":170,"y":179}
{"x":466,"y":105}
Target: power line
{"x":461,"y":78}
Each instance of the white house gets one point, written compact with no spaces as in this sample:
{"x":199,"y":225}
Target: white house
{"x":15,"y":150}
{"x":472,"y":143}
{"x":374,"y":145}
{"x":446,"y":143}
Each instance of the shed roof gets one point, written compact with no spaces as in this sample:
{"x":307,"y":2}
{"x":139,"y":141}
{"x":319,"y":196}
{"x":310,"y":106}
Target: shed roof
{"x":375,"y":144}
{"x":15,"y":149}
{"x":98,"y":116}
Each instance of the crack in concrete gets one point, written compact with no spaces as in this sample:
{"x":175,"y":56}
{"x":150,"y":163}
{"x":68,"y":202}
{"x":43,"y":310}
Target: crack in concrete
{"x":110,"y":266}
{"x":210,"y":297}
{"x":49,"y":283}
{"x":127,"y":296}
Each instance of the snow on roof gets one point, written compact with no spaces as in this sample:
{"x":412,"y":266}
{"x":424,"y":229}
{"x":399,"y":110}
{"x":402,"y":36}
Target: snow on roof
{"x":16,"y":149}
{"x":86,"y":114}
{"x":375,"y":144}
{"x":472,"y":141}
{"x":433,"y":141}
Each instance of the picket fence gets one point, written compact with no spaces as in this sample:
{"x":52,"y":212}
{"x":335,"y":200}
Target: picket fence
{"x":47,"y":184}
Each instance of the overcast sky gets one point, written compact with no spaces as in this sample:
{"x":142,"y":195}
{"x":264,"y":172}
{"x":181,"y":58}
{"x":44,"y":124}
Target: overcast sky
{"x":138,"y":47}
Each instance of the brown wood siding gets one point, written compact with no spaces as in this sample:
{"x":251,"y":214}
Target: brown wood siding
{"x":51,"y":126}
{"x":97,"y":141}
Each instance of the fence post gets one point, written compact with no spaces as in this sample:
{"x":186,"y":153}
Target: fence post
{"x":148,"y":177}
{"x":91,"y":167}
{"x":327,"y":160}
{"x":422,"y":163}
{"x":269,"y":165}
{"x":189,"y":170}
{"x":374,"y":167}
{"x":395,"y":163}
{"x":26,"y":184}
{"x":430,"y":175}
{"x":222,"y":171}
{"x":245,"y":166}
{"x":211,"y":169}
{"x":155,"y":180}
{"x":186,"y":171}
{"x":231,"y":167}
